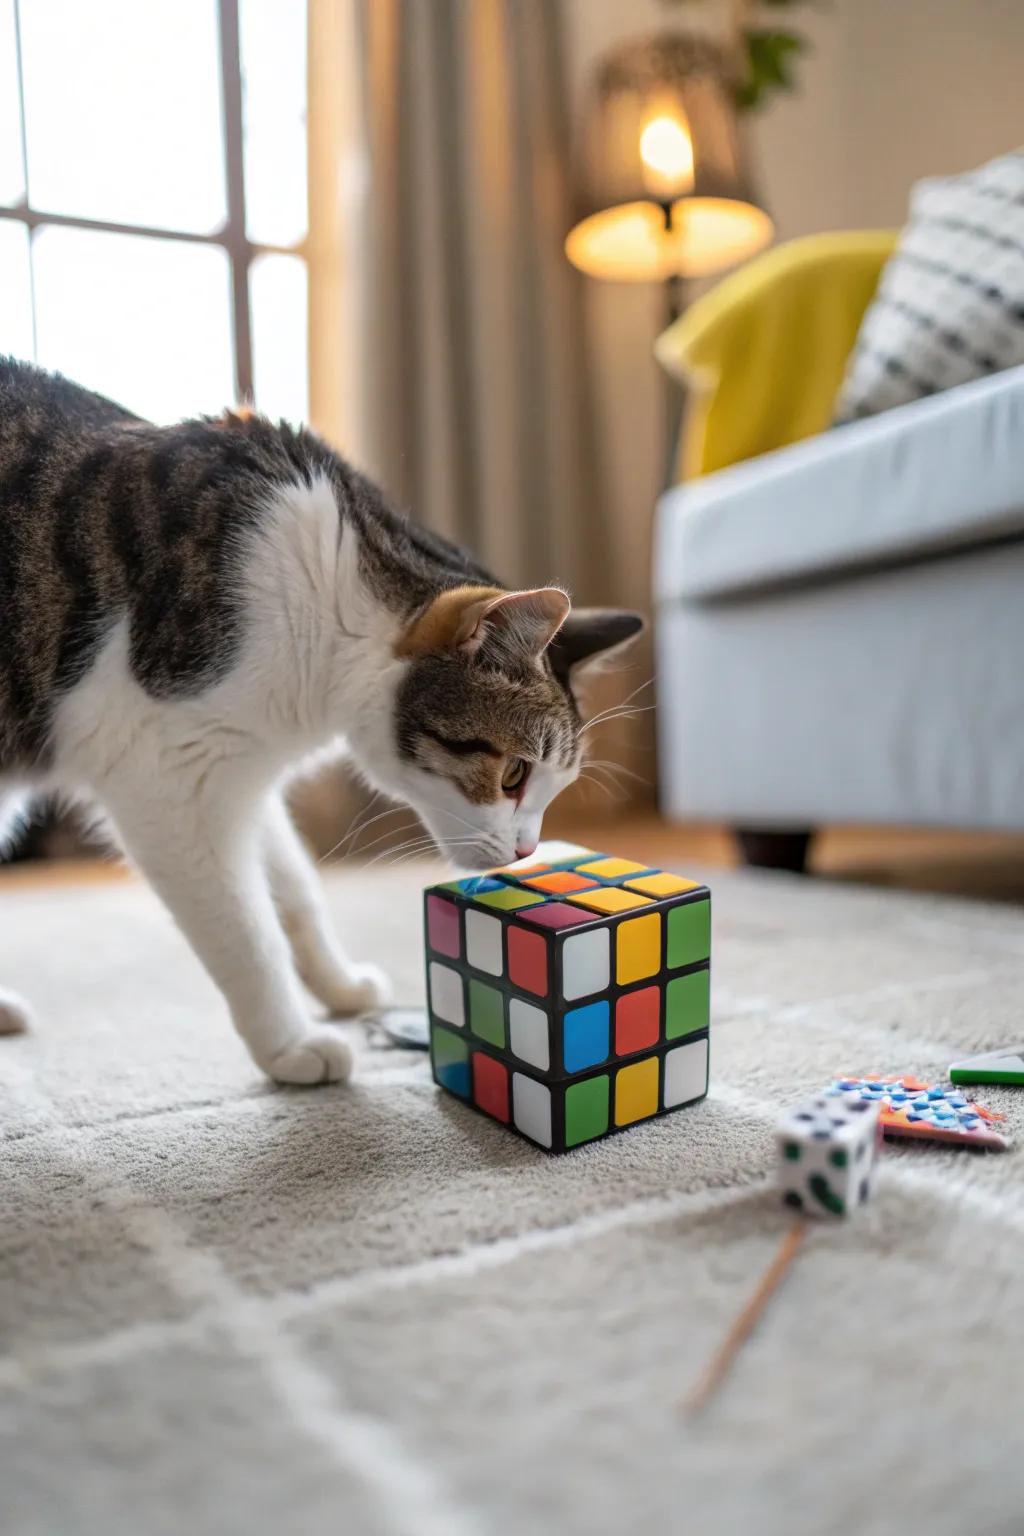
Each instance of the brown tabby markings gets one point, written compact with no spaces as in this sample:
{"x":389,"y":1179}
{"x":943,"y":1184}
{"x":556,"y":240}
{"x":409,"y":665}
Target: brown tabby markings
{"x":104,"y":517}
{"x":444,"y":623}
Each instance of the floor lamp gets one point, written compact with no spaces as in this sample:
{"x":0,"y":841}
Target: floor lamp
{"x":664,"y":194}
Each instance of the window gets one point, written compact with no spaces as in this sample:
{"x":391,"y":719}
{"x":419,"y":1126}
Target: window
{"x":153,"y":205}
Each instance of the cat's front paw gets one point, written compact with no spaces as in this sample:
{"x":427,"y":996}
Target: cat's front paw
{"x":320,"y":1056}
{"x":359,"y":989}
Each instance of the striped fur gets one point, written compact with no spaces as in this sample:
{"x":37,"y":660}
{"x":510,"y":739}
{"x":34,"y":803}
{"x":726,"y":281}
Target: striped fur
{"x":188,"y":612}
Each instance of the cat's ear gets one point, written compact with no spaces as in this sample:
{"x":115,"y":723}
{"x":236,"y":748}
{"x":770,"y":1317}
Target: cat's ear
{"x":590,"y":636}
{"x":464,"y":618}
{"x":526,"y":621}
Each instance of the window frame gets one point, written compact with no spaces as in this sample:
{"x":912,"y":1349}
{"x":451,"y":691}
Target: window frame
{"x":230,"y":238}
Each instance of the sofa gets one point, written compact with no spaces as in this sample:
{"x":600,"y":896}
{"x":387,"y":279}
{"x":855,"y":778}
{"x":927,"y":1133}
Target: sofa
{"x":839,"y":614}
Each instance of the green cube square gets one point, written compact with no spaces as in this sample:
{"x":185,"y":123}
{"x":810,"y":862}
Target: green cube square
{"x":586,"y":1110}
{"x":687,"y":1004}
{"x":689,"y":934}
{"x":509,"y":899}
{"x":487,"y":1013}
{"x":451,"y":1061}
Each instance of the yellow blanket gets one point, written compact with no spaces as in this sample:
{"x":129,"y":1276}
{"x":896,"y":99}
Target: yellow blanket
{"x":762,"y":354}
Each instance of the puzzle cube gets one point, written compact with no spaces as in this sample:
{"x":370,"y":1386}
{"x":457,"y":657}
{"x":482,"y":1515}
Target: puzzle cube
{"x":827,"y":1150}
{"x":569,"y":996}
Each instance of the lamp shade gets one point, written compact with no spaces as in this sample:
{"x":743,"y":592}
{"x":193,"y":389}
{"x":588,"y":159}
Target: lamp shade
{"x":664,"y":190}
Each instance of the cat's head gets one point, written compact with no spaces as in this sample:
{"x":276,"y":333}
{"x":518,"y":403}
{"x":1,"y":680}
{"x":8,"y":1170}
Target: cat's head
{"x":487,"y":725}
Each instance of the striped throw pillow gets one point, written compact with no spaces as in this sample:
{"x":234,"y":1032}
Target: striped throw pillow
{"x":950,"y":303}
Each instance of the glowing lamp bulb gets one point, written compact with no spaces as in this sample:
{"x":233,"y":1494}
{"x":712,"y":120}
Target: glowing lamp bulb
{"x":666,"y":150}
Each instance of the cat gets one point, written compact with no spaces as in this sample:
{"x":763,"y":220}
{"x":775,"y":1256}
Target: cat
{"x":188,"y":612}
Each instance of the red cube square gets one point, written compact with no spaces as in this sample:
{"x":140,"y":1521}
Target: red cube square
{"x":490,"y":1086}
{"x":528,"y":960}
{"x":443,"y":926}
{"x":637,"y":1017}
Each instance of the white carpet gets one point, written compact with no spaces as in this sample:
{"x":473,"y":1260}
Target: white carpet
{"x":227,"y":1307}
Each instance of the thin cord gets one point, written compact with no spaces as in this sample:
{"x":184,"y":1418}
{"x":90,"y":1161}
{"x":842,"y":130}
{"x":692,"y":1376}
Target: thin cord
{"x":744,"y":1325}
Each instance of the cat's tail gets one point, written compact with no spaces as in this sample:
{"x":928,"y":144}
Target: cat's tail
{"x":15,"y":1014}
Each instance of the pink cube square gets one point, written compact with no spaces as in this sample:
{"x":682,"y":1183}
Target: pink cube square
{"x":443,"y":926}
{"x":556,"y":914}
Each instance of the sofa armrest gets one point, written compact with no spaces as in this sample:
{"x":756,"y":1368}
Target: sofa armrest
{"x":763,"y":353}
{"x":939,"y":474}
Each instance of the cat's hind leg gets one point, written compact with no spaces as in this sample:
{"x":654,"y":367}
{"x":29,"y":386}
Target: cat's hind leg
{"x":15,"y":1014}
{"x":345,"y":987}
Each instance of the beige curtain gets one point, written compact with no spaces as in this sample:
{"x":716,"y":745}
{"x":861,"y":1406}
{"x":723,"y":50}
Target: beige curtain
{"x":482,"y":419}
{"x":449,"y":343}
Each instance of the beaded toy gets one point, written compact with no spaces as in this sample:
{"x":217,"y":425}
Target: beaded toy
{"x":924,"y":1111}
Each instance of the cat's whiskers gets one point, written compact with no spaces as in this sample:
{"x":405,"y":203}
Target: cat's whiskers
{"x":616,"y":768}
{"x":419,"y":845}
{"x":615,"y":714}
{"x":358,"y":824}
{"x":390,"y":832}
{"x":587,"y":778}
{"x":365,"y":826}
{"x":615,"y":709}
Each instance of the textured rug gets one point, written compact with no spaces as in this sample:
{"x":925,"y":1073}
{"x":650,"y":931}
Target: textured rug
{"x":226,"y":1307}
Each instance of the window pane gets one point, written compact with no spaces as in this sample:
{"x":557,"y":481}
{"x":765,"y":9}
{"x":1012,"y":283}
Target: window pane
{"x":123,"y":107}
{"x":12,"y":182}
{"x":145,"y":321}
{"x":280,"y":341}
{"x":15,"y":291}
{"x":272,"y":44}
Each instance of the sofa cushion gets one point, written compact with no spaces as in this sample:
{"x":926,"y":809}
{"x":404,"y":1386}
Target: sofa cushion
{"x":950,"y":303}
{"x":939,"y":474}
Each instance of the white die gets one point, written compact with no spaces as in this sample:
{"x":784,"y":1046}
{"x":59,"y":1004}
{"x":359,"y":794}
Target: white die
{"x":826,"y":1154}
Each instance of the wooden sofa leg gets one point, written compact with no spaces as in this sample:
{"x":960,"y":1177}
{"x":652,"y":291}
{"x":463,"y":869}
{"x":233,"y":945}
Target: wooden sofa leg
{"x":765,"y":849}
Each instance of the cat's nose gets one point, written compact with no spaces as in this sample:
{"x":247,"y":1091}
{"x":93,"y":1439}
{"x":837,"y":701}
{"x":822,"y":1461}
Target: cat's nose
{"x":524,"y":850}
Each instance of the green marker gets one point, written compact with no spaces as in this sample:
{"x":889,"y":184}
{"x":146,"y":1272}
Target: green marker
{"x":1005,"y":1066}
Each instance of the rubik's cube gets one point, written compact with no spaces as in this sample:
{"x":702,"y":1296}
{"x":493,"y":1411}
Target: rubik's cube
{"x":569,"y":997}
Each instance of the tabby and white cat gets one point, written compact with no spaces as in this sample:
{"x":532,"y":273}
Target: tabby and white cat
{"x":186,"y":612}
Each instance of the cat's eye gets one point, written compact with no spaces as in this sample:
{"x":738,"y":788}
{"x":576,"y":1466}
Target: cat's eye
{"x":517,"y":771}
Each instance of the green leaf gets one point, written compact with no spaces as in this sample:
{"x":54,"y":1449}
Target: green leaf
{"x":770,"y":58}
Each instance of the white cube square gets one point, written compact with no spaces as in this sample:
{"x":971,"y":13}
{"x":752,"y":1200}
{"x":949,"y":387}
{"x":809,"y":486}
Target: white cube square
{"x":528,"y":1033}
{"x":483,"y":942}
{"x":826,"y":1153}
{"x":446,"y":999}
{"x":686,"y":1073}
{"x":585,"y":963}
{"x":531,"y":1108}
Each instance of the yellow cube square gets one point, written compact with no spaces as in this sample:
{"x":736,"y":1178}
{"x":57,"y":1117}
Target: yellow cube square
{"x":661,"y":885}
{"x":609,"y":898}
{"x":636,"y":1091}
{"x":611,"y":869}
{"x":638,"y":949}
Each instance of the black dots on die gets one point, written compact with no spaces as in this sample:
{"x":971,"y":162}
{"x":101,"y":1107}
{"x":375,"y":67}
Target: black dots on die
{"x":863,"y":1190}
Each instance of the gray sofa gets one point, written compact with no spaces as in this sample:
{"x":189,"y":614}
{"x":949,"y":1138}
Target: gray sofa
{"x":840,"y":627}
